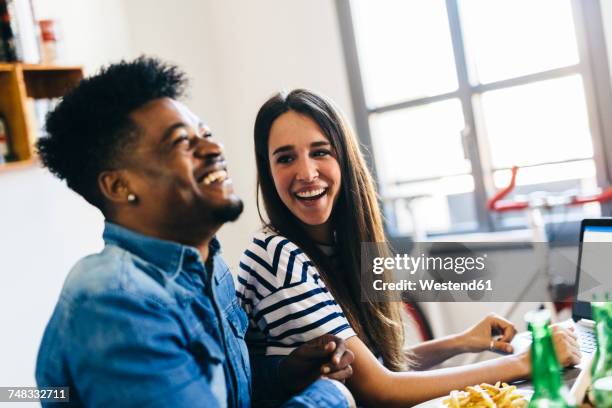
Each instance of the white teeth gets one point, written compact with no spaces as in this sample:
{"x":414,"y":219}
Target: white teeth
{"x":311,"y":193}
{"x":218,"y":175}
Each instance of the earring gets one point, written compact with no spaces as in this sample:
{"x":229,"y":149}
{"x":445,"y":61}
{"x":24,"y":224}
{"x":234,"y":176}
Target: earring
{"x":131,"y":198}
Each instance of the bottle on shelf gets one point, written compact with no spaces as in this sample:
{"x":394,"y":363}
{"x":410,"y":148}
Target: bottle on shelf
{"x":549,"y":390}
{"x":601,"y":370}
{"x":48,"y":46}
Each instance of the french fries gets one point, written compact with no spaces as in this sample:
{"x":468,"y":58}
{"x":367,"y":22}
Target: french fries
{"x":500,"y":395}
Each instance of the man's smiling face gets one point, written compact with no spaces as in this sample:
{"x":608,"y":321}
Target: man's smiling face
{"x":178,"y":171}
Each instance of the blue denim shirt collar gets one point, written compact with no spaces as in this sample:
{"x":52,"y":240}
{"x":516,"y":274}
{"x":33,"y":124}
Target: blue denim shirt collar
{"x":168,"y":256}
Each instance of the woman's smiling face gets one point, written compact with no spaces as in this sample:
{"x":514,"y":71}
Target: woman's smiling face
{"x":304,"y":167}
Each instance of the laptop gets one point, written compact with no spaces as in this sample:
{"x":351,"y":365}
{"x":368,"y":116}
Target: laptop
{"x":591,"y":230}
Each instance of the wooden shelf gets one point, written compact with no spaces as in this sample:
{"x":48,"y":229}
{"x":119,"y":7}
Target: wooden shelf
{"x":42,"y":67}
{"x":19,"y":165}
{"x":20,"y":83}
{"x":9,"y":66}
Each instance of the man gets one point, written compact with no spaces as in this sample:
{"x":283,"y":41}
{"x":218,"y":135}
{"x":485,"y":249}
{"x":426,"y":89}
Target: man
{"x":153,"y":319}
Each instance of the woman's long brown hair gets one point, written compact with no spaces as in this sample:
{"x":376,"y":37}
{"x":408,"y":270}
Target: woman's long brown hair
{"x":356,"y":219}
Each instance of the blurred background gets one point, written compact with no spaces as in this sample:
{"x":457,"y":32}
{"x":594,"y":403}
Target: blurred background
{"x":446,"y":97}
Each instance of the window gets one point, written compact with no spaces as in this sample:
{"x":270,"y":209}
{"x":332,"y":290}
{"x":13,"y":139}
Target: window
{"x":450,"y":94}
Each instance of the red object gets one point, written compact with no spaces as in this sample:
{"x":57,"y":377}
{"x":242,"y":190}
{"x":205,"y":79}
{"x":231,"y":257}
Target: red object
{"x":602,"y":197}
{"x":47,"y":30}
{"x":497,"y":204}
{"x":419,"y":319}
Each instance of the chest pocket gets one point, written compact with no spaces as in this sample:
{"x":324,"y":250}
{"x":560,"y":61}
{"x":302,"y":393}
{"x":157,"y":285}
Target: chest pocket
{"x":238,"y":320}
{"x":239,"y":323}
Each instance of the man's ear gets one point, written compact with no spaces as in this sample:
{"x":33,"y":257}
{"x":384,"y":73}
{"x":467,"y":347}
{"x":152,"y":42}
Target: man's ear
{"x":114,"y":186}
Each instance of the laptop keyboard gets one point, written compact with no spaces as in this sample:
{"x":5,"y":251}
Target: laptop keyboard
{"x":586,"y":337}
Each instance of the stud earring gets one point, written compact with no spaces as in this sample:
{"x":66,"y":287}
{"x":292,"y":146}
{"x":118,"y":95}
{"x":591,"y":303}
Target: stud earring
{"x":131,"y":198}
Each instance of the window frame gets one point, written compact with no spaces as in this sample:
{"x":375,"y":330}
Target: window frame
{"x":593,"y":68}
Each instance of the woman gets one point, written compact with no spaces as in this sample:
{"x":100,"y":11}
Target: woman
{"x":300,"y":276}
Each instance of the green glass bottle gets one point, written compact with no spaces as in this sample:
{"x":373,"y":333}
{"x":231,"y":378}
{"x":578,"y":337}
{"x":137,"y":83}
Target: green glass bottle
{"x":601,"y":370}
{"x":549,"y":391}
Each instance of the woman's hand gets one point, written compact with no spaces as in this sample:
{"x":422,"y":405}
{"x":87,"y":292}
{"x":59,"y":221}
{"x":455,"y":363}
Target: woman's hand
{"x":566,"y":346}
{"x":326,"y":355}
{"x":491,"y":333}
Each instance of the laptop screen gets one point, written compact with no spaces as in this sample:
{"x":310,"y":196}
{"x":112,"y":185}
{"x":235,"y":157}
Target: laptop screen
{"x":594,"y":262}
{"x":593,"y":265}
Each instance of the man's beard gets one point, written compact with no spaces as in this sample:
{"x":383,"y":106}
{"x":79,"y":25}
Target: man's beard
{"x":228,"y":213}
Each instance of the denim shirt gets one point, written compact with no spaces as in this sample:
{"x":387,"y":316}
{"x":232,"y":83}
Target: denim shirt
{"x":147,"y":323}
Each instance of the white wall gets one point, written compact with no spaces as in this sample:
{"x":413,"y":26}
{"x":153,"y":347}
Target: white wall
{"x":45,"y":229}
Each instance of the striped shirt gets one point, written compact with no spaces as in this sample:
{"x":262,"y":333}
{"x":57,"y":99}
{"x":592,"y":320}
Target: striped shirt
{"x":284,"y":297}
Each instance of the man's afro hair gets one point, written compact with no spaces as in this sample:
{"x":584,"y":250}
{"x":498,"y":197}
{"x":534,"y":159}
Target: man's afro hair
{"x":90,"y":128}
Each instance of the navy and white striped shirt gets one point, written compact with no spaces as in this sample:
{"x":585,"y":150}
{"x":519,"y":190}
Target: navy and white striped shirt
{"x":284,"y":297}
